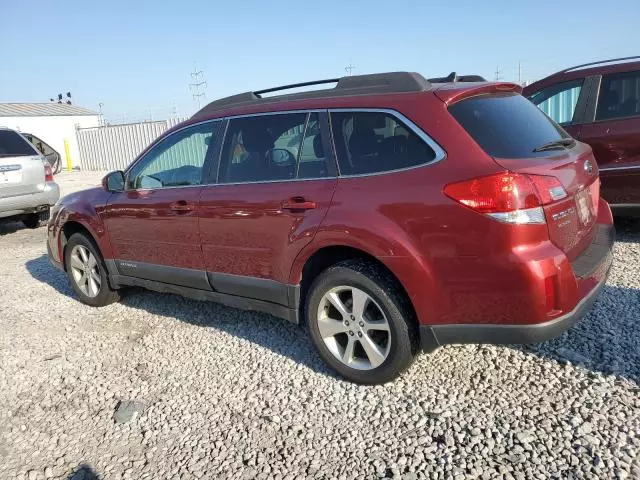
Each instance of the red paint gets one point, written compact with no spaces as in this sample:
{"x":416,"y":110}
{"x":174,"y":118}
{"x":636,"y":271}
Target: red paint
{"x":457,"y":265}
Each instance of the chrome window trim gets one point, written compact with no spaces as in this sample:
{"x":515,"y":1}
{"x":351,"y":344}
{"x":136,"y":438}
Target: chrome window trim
{"x":280,"y":112}
{"x":440,"y":154}
{"x":611,"y":169}
{"x":284,"y":180}
{"x":152,"y":146}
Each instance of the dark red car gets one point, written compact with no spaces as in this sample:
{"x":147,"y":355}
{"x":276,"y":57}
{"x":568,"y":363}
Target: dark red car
{"x":599,"y":103}
{"x":390,"y":214}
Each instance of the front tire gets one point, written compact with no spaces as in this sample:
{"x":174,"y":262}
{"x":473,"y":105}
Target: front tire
{"x":87,"y":272}
{"x":361,"y":322}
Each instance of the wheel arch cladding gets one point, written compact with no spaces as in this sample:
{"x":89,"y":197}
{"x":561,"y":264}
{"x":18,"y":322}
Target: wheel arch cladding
{"x":70,"y":228}
{"x":328,"y":256}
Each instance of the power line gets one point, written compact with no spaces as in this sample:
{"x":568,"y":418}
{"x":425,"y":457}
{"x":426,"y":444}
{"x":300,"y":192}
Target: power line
{"x":199,"y":86}
{"x":498,"y":74}
{"x":349,"y":69}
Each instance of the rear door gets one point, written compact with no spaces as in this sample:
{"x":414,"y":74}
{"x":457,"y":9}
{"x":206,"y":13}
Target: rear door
{"x":614,"y":136}
{"x":276,"y":179}
{"x":522,"y":139}
{"x":21,"y":166}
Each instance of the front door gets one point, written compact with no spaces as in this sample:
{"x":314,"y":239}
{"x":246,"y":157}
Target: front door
{"x":276,"y":179}
{"x":153,"y":224}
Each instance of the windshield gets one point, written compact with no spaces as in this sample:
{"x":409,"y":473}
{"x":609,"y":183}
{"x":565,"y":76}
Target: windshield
{"x":507,"y":126}
{"x":13,"y":145}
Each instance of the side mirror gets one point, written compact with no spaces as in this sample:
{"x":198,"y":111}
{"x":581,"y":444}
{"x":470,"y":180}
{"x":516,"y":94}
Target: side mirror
{"x":114,"y":181}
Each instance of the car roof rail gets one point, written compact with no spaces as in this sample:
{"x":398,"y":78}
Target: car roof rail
{"x":591,"y":64}
{"x":453,"y":77}
{"x":393,"y":82}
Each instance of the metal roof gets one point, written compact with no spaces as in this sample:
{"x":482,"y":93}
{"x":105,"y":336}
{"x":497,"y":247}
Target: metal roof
{"x":42,"y":110}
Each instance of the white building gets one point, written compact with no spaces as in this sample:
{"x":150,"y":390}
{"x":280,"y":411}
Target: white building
{"x":51,"y":122}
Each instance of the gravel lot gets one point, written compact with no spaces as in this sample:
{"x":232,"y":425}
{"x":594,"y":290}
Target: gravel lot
{"x":221,"y":393}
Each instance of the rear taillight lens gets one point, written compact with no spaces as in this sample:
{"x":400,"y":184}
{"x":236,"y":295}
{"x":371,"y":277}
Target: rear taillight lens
{"x":508,"y":197}
{"x":48,"y":173}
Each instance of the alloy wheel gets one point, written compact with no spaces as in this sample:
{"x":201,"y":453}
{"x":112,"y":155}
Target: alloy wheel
{"x":85,"y":271}
{"x":354,"y":328}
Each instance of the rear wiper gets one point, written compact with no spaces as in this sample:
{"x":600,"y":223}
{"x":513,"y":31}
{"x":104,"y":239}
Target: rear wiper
{"x":555,"y":145}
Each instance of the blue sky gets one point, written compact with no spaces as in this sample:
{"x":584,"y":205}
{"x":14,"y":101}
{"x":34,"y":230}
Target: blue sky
{"x":136,"y":56}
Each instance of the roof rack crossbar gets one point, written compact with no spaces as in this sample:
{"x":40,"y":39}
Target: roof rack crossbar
{"x":621,"y":59}
{"x":296,"y":85}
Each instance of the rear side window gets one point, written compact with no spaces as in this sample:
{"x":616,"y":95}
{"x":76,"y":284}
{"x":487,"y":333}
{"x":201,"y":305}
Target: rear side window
{"x":373,"y":142}
{"x":274,"y":147}
{"x":13,"y":145}
{"x":619,"y":96}
{"x":507,"y":126}
{"x":261,"y":148}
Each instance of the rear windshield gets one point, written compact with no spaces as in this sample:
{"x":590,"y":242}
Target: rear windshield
{"x":507,"y":126}
{"x":13,"y":145}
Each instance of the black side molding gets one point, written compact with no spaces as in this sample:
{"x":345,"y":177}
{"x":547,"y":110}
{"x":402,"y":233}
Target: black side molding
{"x":250,"y":287}
{"x":433,"y":336}
{"x":185,"y":277}
{"x":244,"y":303}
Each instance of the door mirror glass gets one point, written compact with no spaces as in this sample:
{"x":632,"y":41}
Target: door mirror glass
{"x":114,"y":181}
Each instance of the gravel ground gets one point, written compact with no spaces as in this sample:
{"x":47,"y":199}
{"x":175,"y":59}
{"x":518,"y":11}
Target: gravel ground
{"x":163,"y":387}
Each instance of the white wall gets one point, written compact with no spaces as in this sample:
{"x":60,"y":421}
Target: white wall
{"x":54,"y":131}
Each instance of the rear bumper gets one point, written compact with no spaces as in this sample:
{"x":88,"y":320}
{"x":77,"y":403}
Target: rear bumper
{"x":591,"y":271}
{"x":29,"y":203}
{"x":434,"y":336}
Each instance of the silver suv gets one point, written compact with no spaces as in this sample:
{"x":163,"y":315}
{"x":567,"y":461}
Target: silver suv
{"x":27,"y":189}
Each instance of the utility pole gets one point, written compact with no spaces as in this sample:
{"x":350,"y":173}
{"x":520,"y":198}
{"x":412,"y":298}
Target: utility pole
{"x":519,"y":73}
{"x":498,"y":74}
{"x":198,"y":86}
{"x":349,"y":69}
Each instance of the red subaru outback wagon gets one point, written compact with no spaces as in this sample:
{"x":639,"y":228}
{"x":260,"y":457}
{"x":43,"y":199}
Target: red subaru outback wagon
{"x":390,"y":214}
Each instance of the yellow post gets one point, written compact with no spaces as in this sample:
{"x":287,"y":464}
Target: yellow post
{"x":66,"y":151}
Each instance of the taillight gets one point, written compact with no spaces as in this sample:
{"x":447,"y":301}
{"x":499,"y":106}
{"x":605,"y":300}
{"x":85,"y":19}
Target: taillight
{"x":48,"y":173}
{"x":508,"y":197}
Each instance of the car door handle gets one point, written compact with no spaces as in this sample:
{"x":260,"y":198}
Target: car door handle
{"x":298,"y":203}
{"x":182,"y":206}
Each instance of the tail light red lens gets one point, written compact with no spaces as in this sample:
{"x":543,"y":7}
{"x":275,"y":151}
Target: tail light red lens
{"x":48,"y":173}
{"x":506,"y":192}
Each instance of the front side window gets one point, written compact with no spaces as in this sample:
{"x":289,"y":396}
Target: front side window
{"x":619,"y":96}
{"x":373,"y":142}
{"x":176,"y":161}
{"x":559,"y":101}
{"x":262,"y":148}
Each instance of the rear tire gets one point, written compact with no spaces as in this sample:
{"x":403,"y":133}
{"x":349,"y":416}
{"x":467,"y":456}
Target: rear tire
{"x":361,"y":322}
{"x":32,"y":220}
{"x":87,"y":272}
